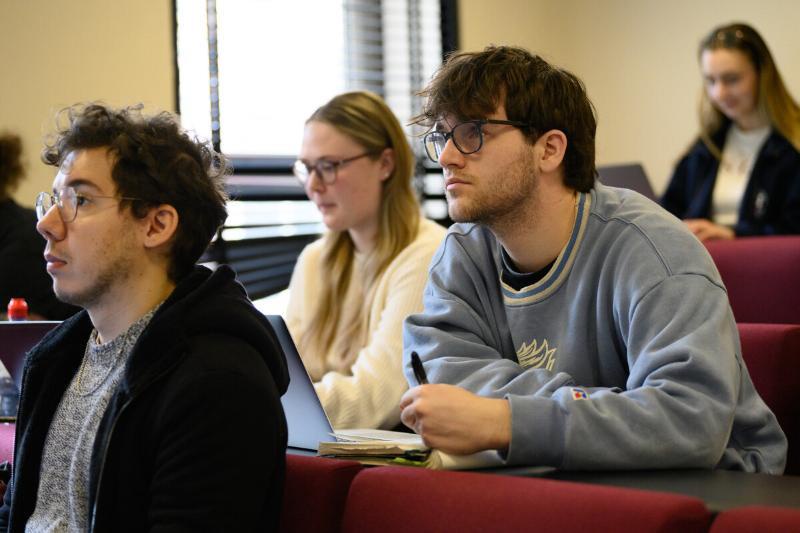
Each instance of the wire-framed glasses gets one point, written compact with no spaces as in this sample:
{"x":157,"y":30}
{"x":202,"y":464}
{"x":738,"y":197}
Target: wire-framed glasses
{"x":68,"y":200}
{"x":467,"y":137}
{"x":326,"y":169}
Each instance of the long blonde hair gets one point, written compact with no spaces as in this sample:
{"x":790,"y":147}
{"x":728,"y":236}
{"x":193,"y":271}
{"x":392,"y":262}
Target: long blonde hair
{"x":774,"y":100}
{"x":366,"y":119}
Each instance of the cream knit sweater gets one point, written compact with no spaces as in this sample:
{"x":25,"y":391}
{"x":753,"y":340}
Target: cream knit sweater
{"x":364,"y":389}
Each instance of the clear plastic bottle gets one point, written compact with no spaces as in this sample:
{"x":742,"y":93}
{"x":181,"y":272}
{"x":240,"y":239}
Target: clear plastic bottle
{"x":9,"y":397}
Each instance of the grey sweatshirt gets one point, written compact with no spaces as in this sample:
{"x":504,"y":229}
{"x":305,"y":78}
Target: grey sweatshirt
{"x":624,"y":356}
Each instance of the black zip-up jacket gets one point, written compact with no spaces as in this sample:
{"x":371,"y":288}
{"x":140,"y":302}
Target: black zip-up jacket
{"x":771,"y":201}
{"x":194,"y":436}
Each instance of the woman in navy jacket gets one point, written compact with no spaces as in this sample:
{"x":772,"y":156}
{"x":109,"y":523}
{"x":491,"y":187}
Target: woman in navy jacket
{"x":742,"y":176}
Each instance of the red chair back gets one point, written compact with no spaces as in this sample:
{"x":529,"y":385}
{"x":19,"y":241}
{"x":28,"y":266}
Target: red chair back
{"x":762,"y":275}
{"x":756,"y":519}
{"x":315,"y":493}
{"x":397,"y":499}
{"x":7,"y":442}
{"x":772,"y":355}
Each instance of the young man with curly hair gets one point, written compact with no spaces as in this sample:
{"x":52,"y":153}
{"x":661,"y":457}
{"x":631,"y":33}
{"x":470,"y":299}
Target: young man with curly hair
{"x":157,"y":408}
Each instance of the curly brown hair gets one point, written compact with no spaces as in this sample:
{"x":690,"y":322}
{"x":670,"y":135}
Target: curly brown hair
{"x":472,"y":85}
{"x":11,"y":167}
{"x":156,"y":162}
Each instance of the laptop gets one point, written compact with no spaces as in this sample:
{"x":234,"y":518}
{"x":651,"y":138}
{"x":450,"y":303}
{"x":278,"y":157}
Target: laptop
{"x":305,"y":417}
{"x":628,"y":176}
{"x":16,"y":338}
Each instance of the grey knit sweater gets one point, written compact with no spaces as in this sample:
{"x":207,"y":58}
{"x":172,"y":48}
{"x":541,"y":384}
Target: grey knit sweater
{"x":62,"y":498}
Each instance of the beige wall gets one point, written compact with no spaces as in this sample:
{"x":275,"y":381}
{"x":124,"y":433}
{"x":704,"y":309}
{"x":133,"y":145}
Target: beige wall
{"x":59,"y":52}
{"x":637,"y":58}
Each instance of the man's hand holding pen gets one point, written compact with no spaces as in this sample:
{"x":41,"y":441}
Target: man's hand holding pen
{"x":419,"y":370}
{"x":453,"y":419}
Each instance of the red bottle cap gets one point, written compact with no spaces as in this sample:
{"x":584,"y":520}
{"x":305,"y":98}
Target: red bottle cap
{"x":17,"y":309}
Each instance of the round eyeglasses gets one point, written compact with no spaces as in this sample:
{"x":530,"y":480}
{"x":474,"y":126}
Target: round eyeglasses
{"x":467,"y":137}
{"x":326,"y":170}
{"x":68,"y":200}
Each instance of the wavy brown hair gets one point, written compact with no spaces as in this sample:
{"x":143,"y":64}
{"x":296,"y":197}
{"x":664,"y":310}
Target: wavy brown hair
{"x":472,"y":85}
{"x":156,"y":162}
{"x":774,"y":100}
{"x":366,"y":119}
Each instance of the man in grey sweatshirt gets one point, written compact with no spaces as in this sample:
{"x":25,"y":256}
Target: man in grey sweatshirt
{"x":567,"y":323}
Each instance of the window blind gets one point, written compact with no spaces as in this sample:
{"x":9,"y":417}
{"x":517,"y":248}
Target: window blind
{"x":249,"y":74}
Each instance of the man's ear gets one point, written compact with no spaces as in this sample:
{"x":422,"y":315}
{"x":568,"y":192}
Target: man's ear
{"x":554,"y":148}
{"x":161,"y":223}
{"x":387,"y":163}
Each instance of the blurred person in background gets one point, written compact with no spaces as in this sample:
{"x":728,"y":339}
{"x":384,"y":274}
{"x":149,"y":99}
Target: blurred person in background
{"x":22,"y":264}
{"x":157,"y":407}
{"x":742,"y":176}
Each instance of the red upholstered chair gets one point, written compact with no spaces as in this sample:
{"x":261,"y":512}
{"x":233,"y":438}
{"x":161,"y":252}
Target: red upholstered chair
{"x":6,"y":442}
{"x":762,"y":275}
{"x":315,"y":492}
{"x":6,"y":449}
{"x":398,"y":499}
{"x":772,"y":355}
{"x":756,"y":519}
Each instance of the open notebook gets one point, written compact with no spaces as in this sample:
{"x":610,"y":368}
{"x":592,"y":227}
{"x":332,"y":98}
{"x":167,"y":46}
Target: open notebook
{"x":379,"y":447}
{"x":310,"y":428}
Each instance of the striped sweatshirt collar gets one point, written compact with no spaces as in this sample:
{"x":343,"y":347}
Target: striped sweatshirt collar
{"x":560,"y":270}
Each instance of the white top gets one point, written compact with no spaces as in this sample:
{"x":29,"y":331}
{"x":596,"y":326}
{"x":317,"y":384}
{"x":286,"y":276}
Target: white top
{"x":738,"y":158}
{"x":364,"y":390}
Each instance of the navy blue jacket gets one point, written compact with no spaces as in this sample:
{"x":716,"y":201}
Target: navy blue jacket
{"x":771,"y":201}
{"x":194,"y":437}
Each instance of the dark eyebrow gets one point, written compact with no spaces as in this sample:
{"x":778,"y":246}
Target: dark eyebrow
{"x":81,"y":183}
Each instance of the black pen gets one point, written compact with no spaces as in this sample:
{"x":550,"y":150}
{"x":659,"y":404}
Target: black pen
{"x":419,"y":370}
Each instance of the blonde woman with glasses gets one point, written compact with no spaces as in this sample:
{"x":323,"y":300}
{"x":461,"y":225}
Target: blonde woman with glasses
{"x":352,"y":289}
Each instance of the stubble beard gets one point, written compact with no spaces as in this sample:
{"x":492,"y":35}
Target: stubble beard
{"x":502,"y":204}
{"x":114,"y":273}
{"x":116,"y":269}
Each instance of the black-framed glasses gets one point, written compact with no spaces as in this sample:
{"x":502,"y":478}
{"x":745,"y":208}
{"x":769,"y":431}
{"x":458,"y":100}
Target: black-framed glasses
{"x":68,"y":200}
{"x":467,"y":137}
{"x":326,"y":169}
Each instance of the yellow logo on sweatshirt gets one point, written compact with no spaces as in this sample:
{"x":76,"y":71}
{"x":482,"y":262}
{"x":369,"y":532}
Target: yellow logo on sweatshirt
{"x":536,"y":355}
